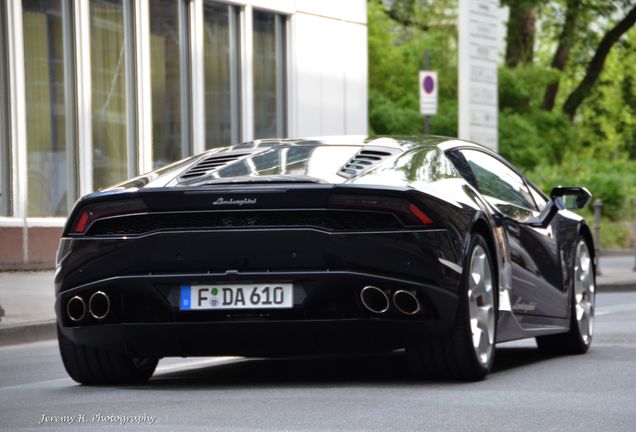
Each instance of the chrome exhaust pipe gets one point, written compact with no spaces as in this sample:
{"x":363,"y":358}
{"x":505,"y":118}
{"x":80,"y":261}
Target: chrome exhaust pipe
{"x":406,"y":302}
{"x":374,"y":299}
{"x":76,"y":308}
{"x":99,"y":305}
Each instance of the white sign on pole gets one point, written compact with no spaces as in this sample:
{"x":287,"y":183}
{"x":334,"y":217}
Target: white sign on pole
{"x":428,"y":93}
{"x":477,"y":82}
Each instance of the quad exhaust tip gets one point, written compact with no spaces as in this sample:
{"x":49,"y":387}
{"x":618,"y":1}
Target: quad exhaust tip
{"x":76,"y":308}
{"x":406,"y":302}
{"x":99,"y":305}
{"x":374,"y":299}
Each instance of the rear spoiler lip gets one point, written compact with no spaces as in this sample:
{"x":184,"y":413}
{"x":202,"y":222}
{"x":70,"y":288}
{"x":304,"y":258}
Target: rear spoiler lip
{"x":194,"y":197}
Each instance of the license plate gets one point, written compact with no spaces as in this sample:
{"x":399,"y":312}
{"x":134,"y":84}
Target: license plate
{"x":236,"y":296}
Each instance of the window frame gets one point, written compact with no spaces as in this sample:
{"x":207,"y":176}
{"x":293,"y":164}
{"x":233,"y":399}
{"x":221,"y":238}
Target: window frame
{"x":70,"y":119}
{"x":281,"y":32}
{"x":78,"y":90}
{"x":136,"y":144}
{"x":458,"y":151}
{"x":6,"y":157}
{"x":185,"y":78}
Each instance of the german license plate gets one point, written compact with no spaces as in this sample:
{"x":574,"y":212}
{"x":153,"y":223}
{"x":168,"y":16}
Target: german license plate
{"x":236,"y":296}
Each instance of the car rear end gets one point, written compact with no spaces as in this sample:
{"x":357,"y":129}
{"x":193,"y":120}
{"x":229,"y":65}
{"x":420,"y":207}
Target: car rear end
{"x":255,"y":269}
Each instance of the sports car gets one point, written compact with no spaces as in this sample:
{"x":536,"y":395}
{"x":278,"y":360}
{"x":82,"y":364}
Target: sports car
{"x":280,"y":247}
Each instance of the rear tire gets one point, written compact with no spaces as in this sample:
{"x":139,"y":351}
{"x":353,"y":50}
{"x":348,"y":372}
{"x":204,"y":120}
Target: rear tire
{"x":467,"y":350}
{"x":92,"y":366}
{"x":582,"y":303}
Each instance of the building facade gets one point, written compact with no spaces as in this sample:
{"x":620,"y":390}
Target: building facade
{"x":96,"y":91}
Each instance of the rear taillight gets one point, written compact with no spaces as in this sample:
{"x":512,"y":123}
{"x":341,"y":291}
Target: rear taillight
{"x":92,"y":212}
{"x":408,"y":212}
{"x":420,"y":215}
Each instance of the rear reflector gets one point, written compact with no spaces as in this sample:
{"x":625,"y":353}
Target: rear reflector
{"x":408,"y":212}
{"x":93,"y":212}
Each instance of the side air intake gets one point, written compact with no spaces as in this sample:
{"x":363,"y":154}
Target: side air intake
{"x":209,"y":164}
{"x":363,"y":160}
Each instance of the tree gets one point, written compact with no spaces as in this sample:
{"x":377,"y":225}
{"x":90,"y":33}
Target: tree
{"x":562,"y":54}
{"x":521,"y":31}
{"x":595,"y":66}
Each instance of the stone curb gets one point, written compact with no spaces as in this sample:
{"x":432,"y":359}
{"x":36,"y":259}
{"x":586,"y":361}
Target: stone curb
{"x":622,"y":286}
{"x":26,"y":333}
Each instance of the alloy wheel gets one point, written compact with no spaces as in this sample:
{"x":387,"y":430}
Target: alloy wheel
{"x":481,"y":305}
{"x":584,"y":292}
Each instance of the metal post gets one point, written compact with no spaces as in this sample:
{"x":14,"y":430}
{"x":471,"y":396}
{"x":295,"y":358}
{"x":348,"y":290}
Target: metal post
{"x":598,"y":209}
{"x":426,"y":67}
{"x":634,"y":232}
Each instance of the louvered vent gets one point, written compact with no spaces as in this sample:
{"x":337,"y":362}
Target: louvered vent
{"x":209,"y":164}
{"x":362,"y":161}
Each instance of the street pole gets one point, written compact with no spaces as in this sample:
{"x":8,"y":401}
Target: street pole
{"x":598,"y":208}
{"x":634,"y":232}
{"x":426,"y":67}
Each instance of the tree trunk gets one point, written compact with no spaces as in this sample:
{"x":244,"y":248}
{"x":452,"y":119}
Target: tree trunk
{"x":520,"y":34}
{"x":566,"y":41}
{"x":595,"y":66}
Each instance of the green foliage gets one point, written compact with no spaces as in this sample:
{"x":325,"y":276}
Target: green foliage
{"x":608,"y":118}
{"x":614,"y":182}
{"x":395,"y":57}
{"x":521,"y":89}
{"x":615,"y":235}
{"x":597,"y":150}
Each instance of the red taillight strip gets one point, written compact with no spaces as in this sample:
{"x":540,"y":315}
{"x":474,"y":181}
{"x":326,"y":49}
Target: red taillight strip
{"x":420,"y":215}
{"x":92,"y":212}
{"x":402,"y":207}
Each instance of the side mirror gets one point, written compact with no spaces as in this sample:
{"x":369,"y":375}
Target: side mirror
{"x":563,"y":197}
{"x":570,"y":197}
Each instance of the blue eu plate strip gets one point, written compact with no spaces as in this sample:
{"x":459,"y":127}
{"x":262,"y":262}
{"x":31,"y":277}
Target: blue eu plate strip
{"x":185,"y":297}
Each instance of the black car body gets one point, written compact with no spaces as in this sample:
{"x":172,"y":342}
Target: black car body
{"x":315,"y":222}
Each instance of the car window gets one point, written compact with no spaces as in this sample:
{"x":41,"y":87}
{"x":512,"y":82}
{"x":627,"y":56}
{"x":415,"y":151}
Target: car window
{"x":503,"y":187}
{"x":539,"y":198}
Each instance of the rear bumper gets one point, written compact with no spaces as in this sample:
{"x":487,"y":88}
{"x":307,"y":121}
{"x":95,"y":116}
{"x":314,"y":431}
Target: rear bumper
{"x":254,"y":339}
{"x":327,"y":316}
{"x":142,"y":277}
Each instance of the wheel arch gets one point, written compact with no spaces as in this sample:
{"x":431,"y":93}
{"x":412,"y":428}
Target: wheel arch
{"x":586,"y":233}
{"x":482,"y":227}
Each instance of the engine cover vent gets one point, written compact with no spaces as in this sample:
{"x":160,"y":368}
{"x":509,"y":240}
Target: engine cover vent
{"x":209,"y":164}
{"x":363,"y":160}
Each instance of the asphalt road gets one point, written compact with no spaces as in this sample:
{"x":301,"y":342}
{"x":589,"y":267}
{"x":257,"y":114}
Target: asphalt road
{"x":525,"y":392}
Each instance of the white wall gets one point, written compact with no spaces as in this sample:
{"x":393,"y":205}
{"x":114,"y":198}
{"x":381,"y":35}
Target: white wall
{"x":328,"y":62}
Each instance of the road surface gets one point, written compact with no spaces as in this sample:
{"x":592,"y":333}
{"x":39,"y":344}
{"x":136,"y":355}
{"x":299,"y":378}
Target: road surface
{"x":525,"y":392}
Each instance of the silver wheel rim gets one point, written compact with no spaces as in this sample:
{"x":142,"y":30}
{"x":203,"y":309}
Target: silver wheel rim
{"x":584,"y":292}
{"x":481,"y":305}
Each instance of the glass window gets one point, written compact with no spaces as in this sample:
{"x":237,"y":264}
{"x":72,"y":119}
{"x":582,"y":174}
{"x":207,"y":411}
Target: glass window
{"x":51,"y":170}
{"x":539,"y":197}
{"x":497,"y":182}
{"x":169,"y":88}
{"x":5,"y":145}
{"x":269,"y":75}
{"x":110,"y":58}
{"x":221,"y":75}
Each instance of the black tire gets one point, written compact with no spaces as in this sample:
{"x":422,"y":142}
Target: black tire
{"x":572,"y":342}
{"x":92,"y":366}
{"x":453,"y":356}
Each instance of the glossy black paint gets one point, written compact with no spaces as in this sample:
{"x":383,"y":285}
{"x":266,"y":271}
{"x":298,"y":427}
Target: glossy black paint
{"x":291,"y":184}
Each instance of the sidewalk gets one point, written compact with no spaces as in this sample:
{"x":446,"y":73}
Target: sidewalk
{"x":27,"y":298}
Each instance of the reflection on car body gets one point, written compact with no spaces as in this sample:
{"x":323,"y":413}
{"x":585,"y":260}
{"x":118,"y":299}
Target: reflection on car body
{"x":341,"y":244}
